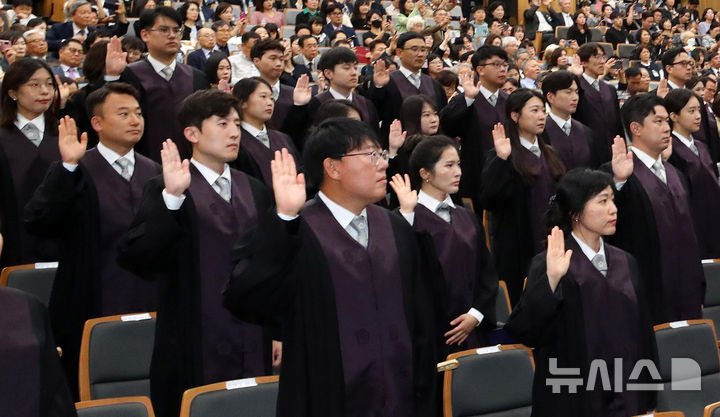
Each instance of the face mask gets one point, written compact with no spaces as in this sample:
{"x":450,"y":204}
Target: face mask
{"x":376,"y":23}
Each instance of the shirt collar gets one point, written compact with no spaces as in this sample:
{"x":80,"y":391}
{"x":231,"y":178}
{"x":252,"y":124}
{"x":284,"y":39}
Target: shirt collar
{"x":432,"y":204}
{"x":487,"y":93}
{"x":406,"y":72}
{"x":338,"y":96}
{"x":645,"y":158}
{"x":77,"y":29}
{"x":210,"y":175}
{"x":559,"y":120}
{"x":159,"y":66}
{"x":252,"y":130}
{"x":686,"y":141}
{"x":340,"y":213}
{"x":587,"y":250}
{"x":672,"y":84}
{"x":588,"y":78}
{"x":112,"y":156}
{"x":39,"y":122}
{"x":527,"y":144}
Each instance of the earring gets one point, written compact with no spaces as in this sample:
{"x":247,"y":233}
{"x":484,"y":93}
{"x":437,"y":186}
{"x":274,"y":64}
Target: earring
{"x":427,"y":180}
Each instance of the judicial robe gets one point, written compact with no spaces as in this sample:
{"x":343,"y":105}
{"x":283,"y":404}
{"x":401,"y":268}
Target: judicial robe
{"x":357,"y":323}
{"x":704,"y":194}
{"x":254,"y":157}
{"x":708,"y":133}
{"x":464,"y":276}
{"x":282,"y":105}
{"x":600,"y":111}
{"x":22,"y":167}
{"x":197,"y":342}
{"x":517,"y":211}
{"x":33,"y":383}
{"x":590,"y":316}
{"x":388,"y":99}
{"x":88,"y":211}
{"x":577,"y":150}
{"x":654,"y":224}
{"x":159,"y":100}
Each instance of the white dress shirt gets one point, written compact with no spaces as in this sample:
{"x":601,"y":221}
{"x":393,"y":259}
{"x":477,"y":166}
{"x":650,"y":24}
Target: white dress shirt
{"x":559,"y":120}
{"x":338,"y":96}
{"x":253,"y":130}
{"x":39,"y":122}
{"x":686,"y":141}
{"x":589,"y":79}
{"x":110,"y":156}
{"x":242,"y":67}
{"x":406,"y":72}
{"x":568,"y":19}
{"x":485,"y":93}
{"x":587,"y":250}
{"x":543,"y":25}
{"x":527,"y":144}
{"x":159,"y":66}
{"x":174,"y":203}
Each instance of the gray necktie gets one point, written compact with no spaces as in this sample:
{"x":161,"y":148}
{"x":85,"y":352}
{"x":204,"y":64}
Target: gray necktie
{"x":443,"y":211}
{"x":223,"y":188}
{"x":33,"y":133}
{"x":598,"y":262}
{"x":124,"y":165}
{"x":694,"y":148}
{"x":492,"y":100}
{"x":659,"y":170}
{"x":276,"y":92}
{"x":415,"y":79}
{"x":596,"y":85}
{"x":566,"y":128}
{"x":535,"y":150}
{"x":360,"y":226}
{"x":263,"y":137}
{"x":167,"y":73}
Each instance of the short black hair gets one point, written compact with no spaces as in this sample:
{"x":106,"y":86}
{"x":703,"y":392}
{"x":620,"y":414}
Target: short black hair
{"x":245,"y":38}
{"x":669,"y":56}
{"x":333,"y":138}
{"x":302,"y":39}
{"x":17,"y":3}
{"x":34,"y":22}
{"x":558,"y":80}
{"x":302,"y":26}
{"x":677,"y":98}
{"x":407,"y":36}
{"x":204,"y":104}
{"x":589,"y":50}
{"x":218,"y":24}
{"x":132,"y":42}
{"x":426,"y":153}
{"x":212,"y":64}
{"x":95,"y":100}
{"x":149,"y":16}
{"x":637,"y":108}
{"x":64,"y":44}
{"x":574,"y":190}
{"x":375,"y":43}
{"x":486,"y":52}
{"x":332,"y":7}
{"x":335,"y":34}
{"x":336,"y":56}
{"x":633,"y":71}
{"x":261,"y":47}
{"x":333,"y":108}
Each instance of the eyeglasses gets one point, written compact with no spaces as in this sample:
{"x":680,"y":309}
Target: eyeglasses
{"x":688,"y":63}
{"x":416,"y":49}
{"x":166,"y":30}
{"x":375,"y":156}
{"x":36,"y":41}
{"x":75,"y":51}
{"x":600,"y":57}
{"x":497,"y":65}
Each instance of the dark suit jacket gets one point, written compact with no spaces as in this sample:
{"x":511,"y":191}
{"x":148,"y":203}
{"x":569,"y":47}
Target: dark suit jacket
{"x":600,"y":111}
{"x":57,"y":70}
{"x":532,"y":22}
{"x":61,"y":31}
{"x":197,"y":59}
{"x":328,"y":29}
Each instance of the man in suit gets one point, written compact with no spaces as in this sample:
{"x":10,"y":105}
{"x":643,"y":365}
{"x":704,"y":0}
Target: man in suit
{"x":309,"y":55}
{"x":565,"y":17}
{"x":162,"y":81}
{"x":79,"y":25}
{"x":654,"y":221}
{"x":714,"y":60}
{"x":242,"y":65}
{"x":537,"y":20}
{"x":198,"y":58}
{"x":71,"y":57}
{"x":388,"y":90}
{"x":335,"y":12}
{"x":37,"y":46}
{"x":267,"y":56}
{"x":471,"y":116}
{"x":88,"y":202}
{"x":222,"y":35}
{"x":598,"y":107}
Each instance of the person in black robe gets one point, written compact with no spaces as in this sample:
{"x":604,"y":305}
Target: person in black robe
{"x":585,"y":304}
{"x":465,"y":283}
{"x":182,"y":236}
{"x":654,"y":222}
{"x":267,"y":55}
{"x":162,"y":81}
{"x":88,"y":202}
{"x":472,"y":115}
{"x":28,"y":145}
{"x":258,"y":143}
{"x":388,"y":90}
{"x":346,"y":278}
{"x":573,"y":141}
{"x":518,"y":179}
{"x":33,"y":383}
{"x":692,"y":158}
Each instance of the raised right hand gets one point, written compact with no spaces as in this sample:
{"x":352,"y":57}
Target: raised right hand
{"x":407,"y":197}
{"x":557,"y":259}
{"x":176,"y":173}
{"x":115,"y":58}
{"x":470,"y":89}
{"x":622,"y":160}
{"x":381,"y":75}
{"x":288,"y":185}
{"x":501,"y":142}
{"x":71,"y":150}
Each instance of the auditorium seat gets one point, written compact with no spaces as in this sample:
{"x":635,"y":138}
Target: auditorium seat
{"x":115,"y":356}
{"x":291,"y":15}
{"x":561,"y":32}
{"x":596,"y":35}
{"x":665,"y":414}
{"x":712,"y":410}
{"x":608,"y":48}
{"x":711,"y":307}
{"x":625,"y":50}
{"x":36,"y":279}
{"x":249,"y":397}
{"x":116,"y":407}
{"x":494,"y":381}
{"x":287,"y":31}
{"x":687,"y":386}
{"x":502,"y":304}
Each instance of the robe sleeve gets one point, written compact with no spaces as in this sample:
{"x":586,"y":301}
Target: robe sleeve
{"x":486,"y":284}
{"x":455,"y":116}
{"x":51,"y":208}
{"x":496,"y":182}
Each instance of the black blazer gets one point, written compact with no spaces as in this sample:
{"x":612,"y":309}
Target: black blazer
{"x":532,"y":22}
{"x":197,"y":59}
{"x":59,"y":32}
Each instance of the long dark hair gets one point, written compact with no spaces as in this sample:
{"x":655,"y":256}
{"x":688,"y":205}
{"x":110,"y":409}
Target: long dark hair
{"x":17,"y":74}
{"x":585,"y":26}
{"x":411,"y":113}
{"x":211,"y":67}
{"x":514,"y":104}
{"x":574,"y":190}
{"x":426,"y":154}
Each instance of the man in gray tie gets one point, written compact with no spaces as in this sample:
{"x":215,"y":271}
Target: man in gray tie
{"x":654,"y":220}
{"x":182,"y":237}
{"x":88,"y":201}
{"x":345,"y":275}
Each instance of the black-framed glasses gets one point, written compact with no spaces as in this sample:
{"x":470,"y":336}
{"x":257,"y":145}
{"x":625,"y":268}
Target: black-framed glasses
{"x":375,"y":156}
{"x":688,"y":63}
{"x":497,"y":65}
{"x":167,"y":30}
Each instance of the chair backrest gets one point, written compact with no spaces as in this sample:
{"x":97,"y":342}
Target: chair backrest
{"x":712,"y":410}
{"x":711,"y":307}
{"x":561,"y":32}
{"x":666,"y":414}
{"x":625,"y":50}
{"x":687,"y":386}
{"x":115,"y":356}
{"x":291,"y":15}
{"x":249,"y":397}
{"x":596,"y":35}
{"x":116,"y":407}
{"x":36,"y":279}
{"x":287,"y":31}
{"x":608,"y":48}
{"x":495,"y":381}
{"x":502,"y":304}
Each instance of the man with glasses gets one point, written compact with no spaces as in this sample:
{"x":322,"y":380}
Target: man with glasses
{"x":162,"y":81}
{"x":37,"y":46}
{"x":222,"y":35}
{"x":472,"y":115}
{"x":389,"y":90}
{"x":598,"y":108}
{"x":679,"y":67}
{"x":346,"y":279}
{"x":71,"y":57}
{"x":335,"y":12}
